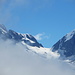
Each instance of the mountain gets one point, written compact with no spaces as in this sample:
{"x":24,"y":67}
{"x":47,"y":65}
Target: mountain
{"x":66,"y":46}
{"x":18,"y":37}
{"x":27,"y":40}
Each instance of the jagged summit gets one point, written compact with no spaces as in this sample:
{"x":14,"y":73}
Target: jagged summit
{"x":18,"y":37}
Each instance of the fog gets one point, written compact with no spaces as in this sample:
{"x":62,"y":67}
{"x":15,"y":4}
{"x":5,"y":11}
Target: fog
{"x":16,"y":60}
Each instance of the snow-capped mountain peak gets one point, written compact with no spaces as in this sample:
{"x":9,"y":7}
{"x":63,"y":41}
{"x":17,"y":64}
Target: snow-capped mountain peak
{"x":3,"y":29}
{"x":66,"y":46}
{"x":18,"y":37}
{"x":28,"y":41}
{"x":69,"y":35}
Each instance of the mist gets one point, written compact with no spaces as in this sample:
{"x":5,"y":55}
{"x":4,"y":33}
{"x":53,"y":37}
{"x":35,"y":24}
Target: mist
{"x":16,"y":60}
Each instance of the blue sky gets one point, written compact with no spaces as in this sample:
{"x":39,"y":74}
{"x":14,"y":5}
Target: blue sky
{"x":47,"y":20}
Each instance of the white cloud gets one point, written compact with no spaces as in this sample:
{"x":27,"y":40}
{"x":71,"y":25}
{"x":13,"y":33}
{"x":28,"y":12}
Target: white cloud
{"x":15,"y":60}
{"x":41,"y":36}
{"x":38,"y":36}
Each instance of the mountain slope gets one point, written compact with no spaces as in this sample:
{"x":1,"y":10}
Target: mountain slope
{"x":27,"y":40}
{"x":17,"y":37}
{"x":66,"y":46}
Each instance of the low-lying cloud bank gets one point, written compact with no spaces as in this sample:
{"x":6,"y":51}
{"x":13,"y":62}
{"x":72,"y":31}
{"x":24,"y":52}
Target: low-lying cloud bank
{"x":15,"y":60}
